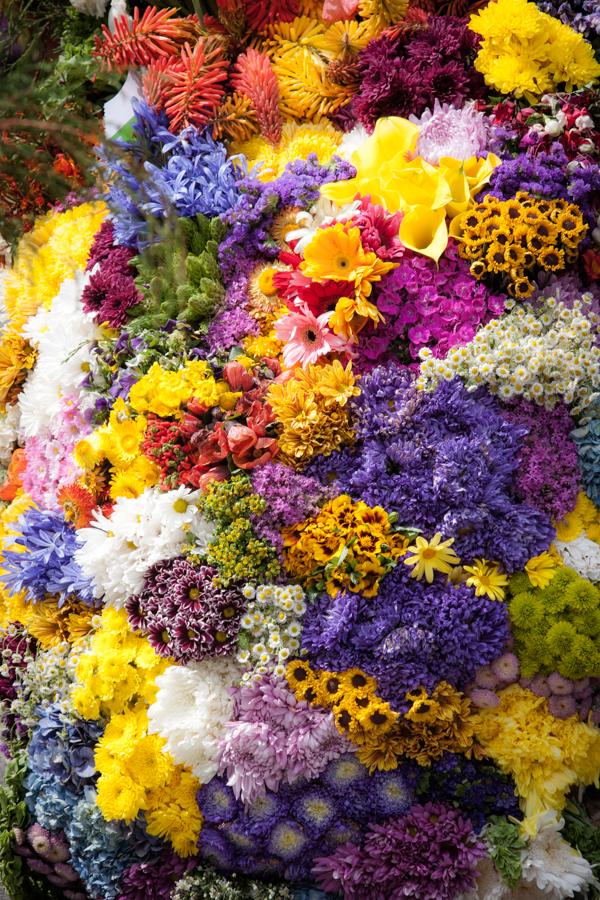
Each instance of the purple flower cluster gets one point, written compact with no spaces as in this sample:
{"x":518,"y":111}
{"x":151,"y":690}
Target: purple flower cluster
{"x":411,"y":634}
{"x":581,"y":15}
{"x":428,"y":305}
{"x":549,"y":174}
{"x":233,"y":323}
{"x":431,"y":853}
{"x":251,"y":218}
{"x":548,"y":476}
{"x":275,"y":737}
{"x":49,"y":855}
{"x":408,"y":73}
{"x":445,"y":462}
{"x":16,"y":650}
{"x":290,"y":497}
{"x":184,"y":614}
{"x":154,"y":880}
{"x":111,"y":288}
{"x":282,"y":832}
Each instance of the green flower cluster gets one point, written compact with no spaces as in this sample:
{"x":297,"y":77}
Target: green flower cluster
{"x":206,"y":883}
{"x":556,"y":628}
{"x":505,"y":847}
{"x":179,"y":276}
{"x":236,"y":550}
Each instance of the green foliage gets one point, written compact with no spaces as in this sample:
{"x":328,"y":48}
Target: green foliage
{"x":179,"y":276}
{"x":557,"y":628}
{"x":505,"y":846}
{"x":584,"y":835}
{"x":236,"y":551}
{"x":205,"y":883}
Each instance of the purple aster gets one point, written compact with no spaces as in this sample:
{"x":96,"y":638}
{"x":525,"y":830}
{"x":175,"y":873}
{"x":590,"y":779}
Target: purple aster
{"x":288,"y":840}
{"x":216,"y":801}
{"x":154,"y":880}
{"x":290,"y":497}
{"x":315,"y":809}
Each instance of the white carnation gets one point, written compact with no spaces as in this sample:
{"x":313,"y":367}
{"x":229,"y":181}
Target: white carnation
{"x":117,"y":552}
{"x":552,"y":866}
{"x":63,"y":336}
{"x":583,"y":555}
{"x":191,"y":710}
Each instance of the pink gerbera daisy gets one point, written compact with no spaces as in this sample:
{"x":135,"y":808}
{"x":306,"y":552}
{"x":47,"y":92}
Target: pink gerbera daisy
{"x":307,"y":337}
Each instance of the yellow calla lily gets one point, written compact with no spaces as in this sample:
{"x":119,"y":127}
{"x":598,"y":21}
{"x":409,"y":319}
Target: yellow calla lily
{"x":479,"y":169}
{"x":454,"y":173}
{"x":425,"y":231}
{"x":417,"y":184}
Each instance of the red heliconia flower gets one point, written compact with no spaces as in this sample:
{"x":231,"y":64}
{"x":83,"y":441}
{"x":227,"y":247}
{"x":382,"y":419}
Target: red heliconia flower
{"x":156,"y":34}
{"x":254,"y":76}
{"x":190,"y":87}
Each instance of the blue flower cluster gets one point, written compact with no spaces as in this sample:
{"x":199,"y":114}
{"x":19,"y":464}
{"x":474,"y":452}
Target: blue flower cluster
{"x":587,"y":441}
{"x":46,"y":565}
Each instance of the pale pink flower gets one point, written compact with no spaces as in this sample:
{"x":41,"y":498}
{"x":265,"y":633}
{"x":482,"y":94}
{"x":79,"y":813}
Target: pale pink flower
{"x":335,"y":10}
{"x":307,"y":337}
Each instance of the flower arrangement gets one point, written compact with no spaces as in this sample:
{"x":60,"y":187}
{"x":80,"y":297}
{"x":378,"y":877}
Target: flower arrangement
{"x":299,"y":455}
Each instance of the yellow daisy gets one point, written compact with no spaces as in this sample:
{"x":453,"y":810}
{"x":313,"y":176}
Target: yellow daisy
{"x":431,"y":556}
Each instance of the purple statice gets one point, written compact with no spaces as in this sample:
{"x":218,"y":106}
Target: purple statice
{"x":430,"y":853}
{"x":548,"y":476}
{"x":581,"y":15}
{"x":47,"y":565}
{"x":111,"y":288}
{"x":428,"y":304}
{"x":275,"y":737}
{"x":411,"y":634}
{"x":184,"y":614}
{"x":233,"y":322}
{"x":444,"y":461}
{"x":154,"y":880}
{"x":404,"y":74}
{"x":63,"y":748}
{"x":447,"y":131}
{"x":290,"y":497}
{"x":549,"y":173}
{"x":477,"y":786}
{"x":250,"y":220}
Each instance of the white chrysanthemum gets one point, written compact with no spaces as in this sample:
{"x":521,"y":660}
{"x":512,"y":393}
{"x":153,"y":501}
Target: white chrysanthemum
{"x":63,"y":336}
{"x":551,"y":865}
{"x":583,"y":555}
{"x":9,"y":425}
{"x":117,"y":552}
{"x":191,"y":710}
{"x":352,"y":141}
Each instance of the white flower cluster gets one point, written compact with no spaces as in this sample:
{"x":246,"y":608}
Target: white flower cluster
{"x":583,"y":555}
{"x":9,"y":424}
{"x":192,"y":707}
{"x":63,"y":336}
{"x":545,"y":353}
{"x":117,"y":552}
{"x":270,"y":629}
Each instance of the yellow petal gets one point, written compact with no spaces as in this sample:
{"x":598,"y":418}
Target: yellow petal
{"x":424,"y":230}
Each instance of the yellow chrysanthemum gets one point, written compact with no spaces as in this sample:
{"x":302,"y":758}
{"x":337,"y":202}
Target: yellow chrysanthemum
{"x":297,"y":142}
{"x":119,"y":797}
{"x":55,"y":248}
{"x":431,"y":556}
{"x":16,"y":358}
{"x":541,"y":569}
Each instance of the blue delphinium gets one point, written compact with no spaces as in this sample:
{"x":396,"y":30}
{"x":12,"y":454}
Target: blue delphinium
{"x":47,"y":565}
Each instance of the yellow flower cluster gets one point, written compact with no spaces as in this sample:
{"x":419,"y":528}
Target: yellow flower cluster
{"x":436,"y":723}
{"x":526,"y":52}
{"x":297,"y":141}
{"x":116,"y":681}
{"x":544,"y":755}
{"x":164,"y":392}
{"x":13,"y":607}
{"x":311,"y":409}
{"x":584,"y":519}
{"x":515,"y":238}
{"x":391,"y":174}
{"x":301,"y":54}
{"x":358,"y":712}
{"x":119,"y":443}
{"x":347,"y":546}
{"x":55,"y":248}
{"x":52,"y":625}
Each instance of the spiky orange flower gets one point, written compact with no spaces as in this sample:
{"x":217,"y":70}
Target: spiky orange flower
{"x":156,"y":34}
{"x":234,"y":119}
{"x":254,"y":77}
{"x":77,"y":504}
{"x":260,"y":13}
{"x":190,"y":87}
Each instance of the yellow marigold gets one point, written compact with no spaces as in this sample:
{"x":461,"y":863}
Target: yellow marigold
{"x":297,"y":142}
{"x":347,"y":546}
{"x":57,"y":245}
{"x":544,"y":755}
{"x":310,"y":408}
